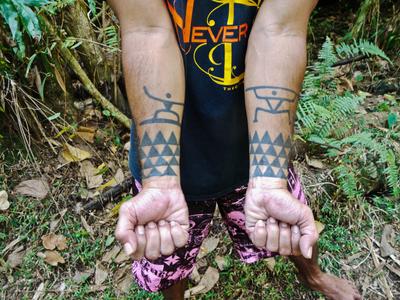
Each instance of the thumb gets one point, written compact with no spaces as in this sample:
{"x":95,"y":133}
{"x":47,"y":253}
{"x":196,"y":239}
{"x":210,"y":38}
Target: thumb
{"x":125,"y":230}
{"x":309,"y":234}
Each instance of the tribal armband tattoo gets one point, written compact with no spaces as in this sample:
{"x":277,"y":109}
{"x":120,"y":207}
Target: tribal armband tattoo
{"x":159,"y":154}
{"x":269,"y":158}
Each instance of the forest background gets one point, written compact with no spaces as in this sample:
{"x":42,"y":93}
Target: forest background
{"x":64,"y":137}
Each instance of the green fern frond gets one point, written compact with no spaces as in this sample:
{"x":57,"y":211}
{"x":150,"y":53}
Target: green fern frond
{"x":112,"y":38}
{"x":348,"y":182}
{"x":392,"y":172}
{"x":362,"y":47}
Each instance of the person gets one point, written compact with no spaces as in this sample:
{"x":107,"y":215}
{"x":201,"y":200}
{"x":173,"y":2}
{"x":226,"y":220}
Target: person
{"x":213,"y":87}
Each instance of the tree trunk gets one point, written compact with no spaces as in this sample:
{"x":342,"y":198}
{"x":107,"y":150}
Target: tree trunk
{"x":78,"y":25}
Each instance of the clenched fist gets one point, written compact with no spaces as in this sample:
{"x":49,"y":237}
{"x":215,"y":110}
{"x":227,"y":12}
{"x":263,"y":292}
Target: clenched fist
{"x":153,"y":223}
{"x":277,"y":204}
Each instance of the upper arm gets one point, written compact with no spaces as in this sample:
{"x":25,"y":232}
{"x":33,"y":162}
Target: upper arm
{"x":147,"y":15}
{"x":284,"y":17}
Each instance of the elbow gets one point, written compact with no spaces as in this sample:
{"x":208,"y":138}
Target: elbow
{"x":155,"y":37}
{"x":280,"y":29}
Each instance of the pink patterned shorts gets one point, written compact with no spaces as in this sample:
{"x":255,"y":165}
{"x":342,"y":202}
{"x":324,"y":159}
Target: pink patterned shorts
{"x":164,"y":272}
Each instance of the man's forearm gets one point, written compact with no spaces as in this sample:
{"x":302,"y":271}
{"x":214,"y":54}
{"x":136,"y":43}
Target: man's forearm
{"x":275,"y":70}
{"x":154,"y":80}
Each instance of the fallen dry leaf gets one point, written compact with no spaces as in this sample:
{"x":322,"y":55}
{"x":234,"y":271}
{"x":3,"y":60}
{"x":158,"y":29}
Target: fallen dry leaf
{"x":119,"y":176}
{"x":207,"y":282}
{"x":4,"y":204}
{"x":53,"y":258}
{"x":110,"y":255}
{"x":97,"y":288}
{"x":39,"y":294}
{"x":89,"y":172}
{"x":74,"y":154}
{"x":208,"y":246}
{"x":86,"y":135}
{"x":315,"y":163}
{"x":121,"y":272}
{"x":221,"y":262}
{"x":54,"y":223}
{"x":80,"y":277}
{"x":87,"y":227}
{"x":193,"y":291}
{"x":100,"y":274}
{"x":270,"y":263}
{"x":16,"y":257}
{"x":51,"y":241}
{"x":109,"y":183}
{"x":127,"y":146}
{"x":37,"y":188}
{"x":386,"y":248}
{"x":11,"y":245}
{"x":320,"y":226}
{"x":195,"y":275}
{"x":125,"y":284}
{"x":122,"y":257}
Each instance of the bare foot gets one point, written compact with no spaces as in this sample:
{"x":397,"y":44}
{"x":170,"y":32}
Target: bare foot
{"x":333,"y":287}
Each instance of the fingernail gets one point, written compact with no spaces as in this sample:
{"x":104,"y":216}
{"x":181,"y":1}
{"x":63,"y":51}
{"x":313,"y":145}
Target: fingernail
{"x":309,"y":254}
{"x":152,"y":225}
{"x":284,"y":225}
{"x":140,"y":229}
{"x":173,"y":223}
{"x":162,"y":223}
{"x":260,"y":223}
{"x":295,"y":229}
{"x":128,"y":249}
{"x":272,"y":220}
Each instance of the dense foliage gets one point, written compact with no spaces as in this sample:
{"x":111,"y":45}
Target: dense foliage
{"x":366,"y":158}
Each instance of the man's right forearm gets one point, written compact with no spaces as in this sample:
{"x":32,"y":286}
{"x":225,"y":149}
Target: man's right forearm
{"x":154,"y":78}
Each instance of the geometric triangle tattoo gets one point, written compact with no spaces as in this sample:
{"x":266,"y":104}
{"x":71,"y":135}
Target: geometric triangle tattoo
{"x":269,"y":157}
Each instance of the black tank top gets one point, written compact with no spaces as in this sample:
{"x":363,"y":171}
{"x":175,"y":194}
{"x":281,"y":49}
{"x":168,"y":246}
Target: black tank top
{"x":213,"y":35}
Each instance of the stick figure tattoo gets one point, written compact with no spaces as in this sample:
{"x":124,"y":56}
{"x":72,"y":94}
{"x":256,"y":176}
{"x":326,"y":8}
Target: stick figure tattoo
{"x":275,"y":98}
{"x":165,"y":115}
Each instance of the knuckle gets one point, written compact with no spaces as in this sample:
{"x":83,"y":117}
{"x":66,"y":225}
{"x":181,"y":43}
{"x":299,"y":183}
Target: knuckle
{"x":124,"y":208}
{"x":119,"y":234}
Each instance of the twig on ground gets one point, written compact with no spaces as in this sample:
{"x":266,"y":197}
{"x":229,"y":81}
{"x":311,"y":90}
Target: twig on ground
{"x":111,"y":195}
{"x":385,"y":284}
{"x":349,"y":60}
{"x":393,"y":257}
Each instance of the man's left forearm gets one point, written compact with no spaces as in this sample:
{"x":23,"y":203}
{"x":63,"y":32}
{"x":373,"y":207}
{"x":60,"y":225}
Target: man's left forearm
{"x":275,"y":66}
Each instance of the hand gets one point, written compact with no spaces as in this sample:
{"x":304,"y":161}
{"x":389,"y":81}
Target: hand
{"x":278,"y":203}
{"x":153,"y":223}
{"x":278,"y":237}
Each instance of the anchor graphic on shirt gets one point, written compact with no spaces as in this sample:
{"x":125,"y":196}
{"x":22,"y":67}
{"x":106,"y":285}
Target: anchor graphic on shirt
{"x":169,"y":116}
{"x":229,"y":75}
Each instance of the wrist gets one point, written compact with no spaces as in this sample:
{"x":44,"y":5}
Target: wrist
{"x":163,"y":182}
{"x":268,"y":183}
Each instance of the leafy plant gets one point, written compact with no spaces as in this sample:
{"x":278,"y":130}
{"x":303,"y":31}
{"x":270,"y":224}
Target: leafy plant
{"x":321,"y":108}
{"x":366,"y":158}
{"x":20,"y":17}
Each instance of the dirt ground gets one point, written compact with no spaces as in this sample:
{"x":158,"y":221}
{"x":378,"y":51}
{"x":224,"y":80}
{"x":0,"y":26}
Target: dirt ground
{"x":52,"y":249}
